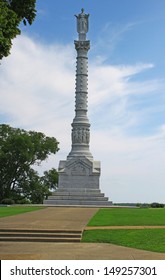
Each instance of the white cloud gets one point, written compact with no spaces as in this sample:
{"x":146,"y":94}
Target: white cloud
{"x":111,"y":82}
{"x":33,"y":86}
{"x":110,"y":36}
{"x":37,"y":86}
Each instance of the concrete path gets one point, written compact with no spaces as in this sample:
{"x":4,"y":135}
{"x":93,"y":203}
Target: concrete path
{"x":50,"y":218}
{"x":63,"y":218}
{"x":73,"y":251}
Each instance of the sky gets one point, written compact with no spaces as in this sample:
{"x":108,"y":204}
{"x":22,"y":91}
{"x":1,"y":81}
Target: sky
{"x":126,"y":92}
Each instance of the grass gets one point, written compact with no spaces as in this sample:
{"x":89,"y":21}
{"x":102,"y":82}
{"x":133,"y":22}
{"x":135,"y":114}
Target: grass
{"x":129,"y":217}
{"x":144,"y":239}
{"x":15,"y":210}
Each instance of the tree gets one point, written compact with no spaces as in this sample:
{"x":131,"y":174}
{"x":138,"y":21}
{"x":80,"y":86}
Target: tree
{"x":20,"y":150}
{"x":157,"y":205}
{"x":36,"y":188}
{"x":32,"y":188}
{"x":50,"y":179}
{"x":12,"y":13}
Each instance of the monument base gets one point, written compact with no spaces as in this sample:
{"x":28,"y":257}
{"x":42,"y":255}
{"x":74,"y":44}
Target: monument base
{"x":78,"y":184}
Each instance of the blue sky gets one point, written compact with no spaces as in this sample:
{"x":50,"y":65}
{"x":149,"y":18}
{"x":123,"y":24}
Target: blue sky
{"x":126,"y":89}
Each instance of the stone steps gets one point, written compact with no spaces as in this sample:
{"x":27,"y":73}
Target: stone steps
{"x":30,"y":235}
{"x":76,"y":194}
{"x":78,"y":198}
{"x":78,"y":190}
{"x":65,"y":202}
{"x":63,"y":196}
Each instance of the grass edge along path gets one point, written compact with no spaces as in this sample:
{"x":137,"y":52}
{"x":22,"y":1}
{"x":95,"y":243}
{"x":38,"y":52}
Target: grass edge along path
{"x":144,"y":239}
{"x":16,"y":210}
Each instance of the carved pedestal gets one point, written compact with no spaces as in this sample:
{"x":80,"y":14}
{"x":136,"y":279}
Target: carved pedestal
{"x":79,"y":184}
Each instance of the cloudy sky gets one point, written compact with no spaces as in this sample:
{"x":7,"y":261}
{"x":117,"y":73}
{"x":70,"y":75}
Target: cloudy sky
{"x":126,"y":89}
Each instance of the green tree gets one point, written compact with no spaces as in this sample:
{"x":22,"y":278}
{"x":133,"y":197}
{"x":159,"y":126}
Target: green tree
{"x":12,"y":13}
{"x":50,"y":179}
{"x":32,"y":188}
{"x":20,"y":150}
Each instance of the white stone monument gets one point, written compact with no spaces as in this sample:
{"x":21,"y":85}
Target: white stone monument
{"x":79,"y":174}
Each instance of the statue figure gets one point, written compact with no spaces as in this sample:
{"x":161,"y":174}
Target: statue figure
{"x":80,"y":135}
{"x":75,"y":136}
{"x":87,"y":135}
{"x":82,"y":25}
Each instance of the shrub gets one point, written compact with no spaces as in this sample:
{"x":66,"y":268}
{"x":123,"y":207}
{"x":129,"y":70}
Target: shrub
{"x":161,"y":205}
{"x":138,"y":205}
{"x":23,"y":201}
{"x":157,"y":205}
{"x":8,"y":201}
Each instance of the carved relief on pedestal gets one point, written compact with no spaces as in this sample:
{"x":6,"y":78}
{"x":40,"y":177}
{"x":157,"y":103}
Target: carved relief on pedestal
{"x":78,"y":169}
{"x":80,"y":135}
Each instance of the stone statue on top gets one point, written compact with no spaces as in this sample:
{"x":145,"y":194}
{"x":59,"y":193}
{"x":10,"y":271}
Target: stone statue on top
{"x":82,"y":25}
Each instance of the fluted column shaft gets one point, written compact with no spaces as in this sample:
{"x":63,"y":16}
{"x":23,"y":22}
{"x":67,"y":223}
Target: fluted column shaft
{"x":81,"y":125}
{"x":81,"y":79}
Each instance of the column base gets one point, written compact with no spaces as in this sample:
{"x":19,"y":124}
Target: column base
{"x":79,"y":184}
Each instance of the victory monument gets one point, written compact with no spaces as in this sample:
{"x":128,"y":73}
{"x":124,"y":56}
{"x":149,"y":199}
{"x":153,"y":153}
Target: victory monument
{"x":79,"y":174}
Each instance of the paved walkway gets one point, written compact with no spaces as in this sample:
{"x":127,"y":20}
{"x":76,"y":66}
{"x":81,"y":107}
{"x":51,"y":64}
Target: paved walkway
{"x":50,"y":218}
{"x":63,"y":218}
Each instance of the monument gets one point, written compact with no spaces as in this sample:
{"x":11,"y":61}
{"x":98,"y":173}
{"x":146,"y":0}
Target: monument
{"x":79,"y":174}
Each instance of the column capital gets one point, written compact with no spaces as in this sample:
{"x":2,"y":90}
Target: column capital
{"x":82,"y":45}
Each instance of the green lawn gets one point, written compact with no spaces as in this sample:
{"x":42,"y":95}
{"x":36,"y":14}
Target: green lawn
{"x":14,"y":210}
{"x":128,"y":216}
{"x":144,"y":239}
